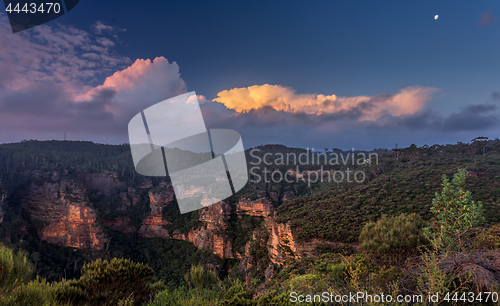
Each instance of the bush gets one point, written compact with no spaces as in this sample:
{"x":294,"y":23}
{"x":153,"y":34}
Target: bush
{"x":455,"y":212}
{"x":15,"y":270}
{"x":35,"y":293}
{"x":392,"y":239}
{"x":454,"y":208}
{"x":187,"y":297}
{"x":198,"y":277}
{"x":69,"y":292}
{"x":488,"y":239}
{"x":119,"y":281}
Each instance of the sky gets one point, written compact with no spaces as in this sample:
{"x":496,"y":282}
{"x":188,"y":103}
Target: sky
{"x":316,"y":74}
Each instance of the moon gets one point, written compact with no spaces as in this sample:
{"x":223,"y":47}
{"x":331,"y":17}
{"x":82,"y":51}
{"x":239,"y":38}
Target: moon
{"x":436,"y":17}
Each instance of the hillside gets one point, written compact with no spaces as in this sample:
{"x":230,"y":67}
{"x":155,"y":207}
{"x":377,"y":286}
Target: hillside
{"x":404,"y":181}
{"x":68,"y":203}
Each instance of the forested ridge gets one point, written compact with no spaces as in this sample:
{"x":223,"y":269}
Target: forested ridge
{"x":390,"y":234}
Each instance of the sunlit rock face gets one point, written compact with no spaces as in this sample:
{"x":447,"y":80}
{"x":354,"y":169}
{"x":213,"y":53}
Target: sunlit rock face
{"x":58,"y":203}
{"x":62,"y":214}
{"x":258,"y":208}
{"x":209,"y":237}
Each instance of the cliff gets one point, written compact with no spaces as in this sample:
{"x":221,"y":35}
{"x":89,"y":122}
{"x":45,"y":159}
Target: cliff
{"x":62,"y":215}
{"x":258,"y":208}
{"x":106,"y":182}
{"x":210,"y":236}
{"x":152,"y":226}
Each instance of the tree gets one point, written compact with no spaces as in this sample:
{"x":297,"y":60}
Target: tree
{"x":455,"y":211}
{"x":451,"y":259}
{"x":392,"y":239}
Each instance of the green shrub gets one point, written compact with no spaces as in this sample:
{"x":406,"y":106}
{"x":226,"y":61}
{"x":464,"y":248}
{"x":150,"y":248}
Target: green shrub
{"x":198,"y":277}
{"x":107,"y":282}
{"x":118,"y":281}
{"x":456,"y":213}
{"x":393,"y":239}
{"x":454,"y":208}
{"x":34,"y":293}
{"x":183,"y":296}
{"x":15,"y":270}
{"x":488,"y":238}
{"x":69,"y":292}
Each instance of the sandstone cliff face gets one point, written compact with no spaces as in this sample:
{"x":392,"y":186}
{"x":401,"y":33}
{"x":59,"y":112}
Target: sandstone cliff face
{"x":281,"y":243}
{"x":63,"y":215}
{"x":258,"y":208}
{"x":208,"y":236}
{"x":152,"y":226}
{"x":106,"y":182}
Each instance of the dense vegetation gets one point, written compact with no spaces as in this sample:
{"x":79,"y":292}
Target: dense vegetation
{"x":407,"y":229}
{"x":403,"y":182}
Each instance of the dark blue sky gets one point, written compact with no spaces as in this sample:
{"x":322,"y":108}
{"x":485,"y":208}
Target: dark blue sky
{"x":346,"y":48}
{"x":343,"y":47}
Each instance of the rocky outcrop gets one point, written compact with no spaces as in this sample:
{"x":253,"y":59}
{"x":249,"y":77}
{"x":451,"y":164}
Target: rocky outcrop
{"x":152,"y":226}
{"x":258,"y":208}
{"x":281,"y":243}
{"x":62,"y":215}
{"x":106,"y":182}
{"x":208,"y":237}
{"x":60,"y":209}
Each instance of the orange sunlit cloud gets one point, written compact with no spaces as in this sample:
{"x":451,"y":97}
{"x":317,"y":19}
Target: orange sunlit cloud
{"x":408,"y":101}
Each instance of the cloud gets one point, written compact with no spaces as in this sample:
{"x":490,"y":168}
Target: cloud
{"x":486,"y":18}
{"x":275,"y":106}
{"x":45,"y":80}
{"x":105,"y":42}
{"x":347,"y":126}
{"x":46,"y":109}
{"x":142,"y":84}
{"x":55,"y":53}
{"x":495,"y":96}
{"x":47,"y":87}
{"x":99,"y":27}
{"x":472,"y":117}
{"x":408,"y":101}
